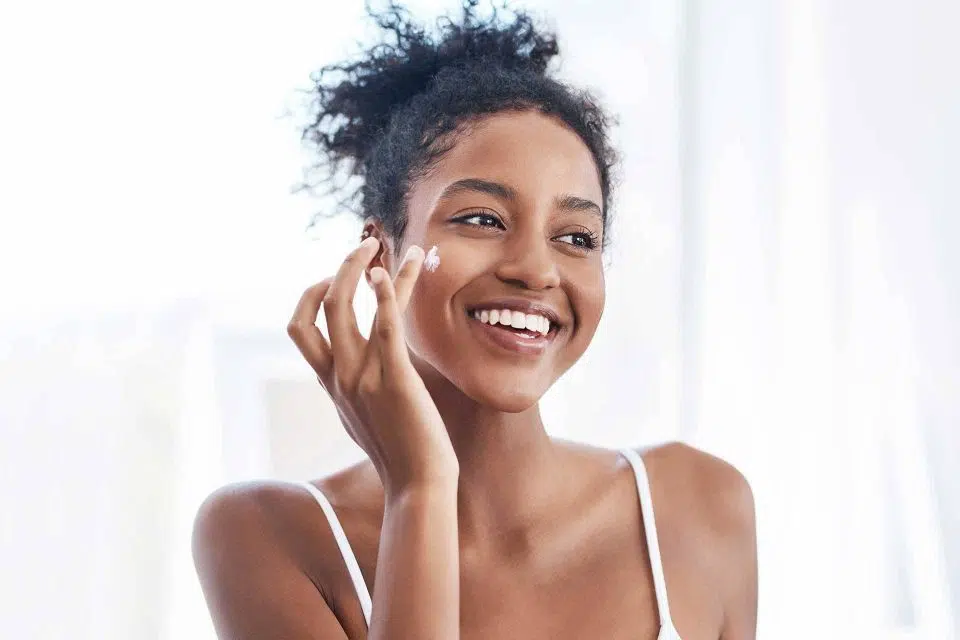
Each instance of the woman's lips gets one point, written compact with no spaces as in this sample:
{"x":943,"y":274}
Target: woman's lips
{"x":518,"y":342}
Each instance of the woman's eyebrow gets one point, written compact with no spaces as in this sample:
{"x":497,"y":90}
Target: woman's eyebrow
{"x":495,"y":189}
{"x":506,"y":192}
{"x":575,"y":203}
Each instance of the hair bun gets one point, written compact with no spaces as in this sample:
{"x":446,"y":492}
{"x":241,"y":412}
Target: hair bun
{"x":355,"y":100}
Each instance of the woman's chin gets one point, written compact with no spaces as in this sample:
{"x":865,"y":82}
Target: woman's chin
{"x":505,"y":397}
{"x":510,"y":391}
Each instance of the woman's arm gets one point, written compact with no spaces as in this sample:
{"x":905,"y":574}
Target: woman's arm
{"x":417,"y":591}
{"x":737,"y":539}
{"x":256,"y":591}
{"x":255,"y":588}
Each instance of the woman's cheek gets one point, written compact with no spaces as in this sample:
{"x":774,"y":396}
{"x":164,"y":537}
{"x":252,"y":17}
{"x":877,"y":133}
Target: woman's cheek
{"x":593,"y":304}
{"x":587,"y":291}
{"x":429,"y":306}
{"x":437,"y":296}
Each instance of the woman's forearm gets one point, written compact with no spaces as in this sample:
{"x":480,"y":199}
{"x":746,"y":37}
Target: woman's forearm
{"x":417,"y":586}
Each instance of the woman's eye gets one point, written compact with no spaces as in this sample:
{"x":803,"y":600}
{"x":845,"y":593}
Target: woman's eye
{"x":581,"y":240}
{"x":481,"y":220}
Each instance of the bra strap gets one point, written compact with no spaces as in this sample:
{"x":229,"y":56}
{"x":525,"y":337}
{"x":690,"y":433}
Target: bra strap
{"x":346,"y":551}
{"x":650,"y":529}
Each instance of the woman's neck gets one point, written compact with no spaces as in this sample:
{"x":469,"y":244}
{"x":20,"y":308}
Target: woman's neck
{"x":509,"y":467}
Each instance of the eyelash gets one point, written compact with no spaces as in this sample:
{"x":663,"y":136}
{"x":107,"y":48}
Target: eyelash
{"x":478,"y":214}
{"x":591,"y":239}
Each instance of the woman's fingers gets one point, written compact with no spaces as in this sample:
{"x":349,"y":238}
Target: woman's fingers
{"x":386,"y":327}
{"x":407,"y":276}
{"x":345,"y":339}
{"x":304,"y":332}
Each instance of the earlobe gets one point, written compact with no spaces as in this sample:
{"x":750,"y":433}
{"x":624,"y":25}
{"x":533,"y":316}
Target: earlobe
{"x":382,"y":257}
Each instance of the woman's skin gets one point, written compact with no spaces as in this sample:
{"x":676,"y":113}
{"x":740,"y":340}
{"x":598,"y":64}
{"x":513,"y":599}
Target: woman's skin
{"x":469,"y":521}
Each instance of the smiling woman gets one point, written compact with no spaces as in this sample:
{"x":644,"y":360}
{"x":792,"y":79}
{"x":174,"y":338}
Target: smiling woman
{"x":468,"y":520}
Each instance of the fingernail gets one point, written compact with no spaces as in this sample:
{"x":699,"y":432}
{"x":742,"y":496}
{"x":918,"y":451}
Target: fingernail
{"x":376,"y":275}
{"x":369,"y":242}
{"x":412,"y":253}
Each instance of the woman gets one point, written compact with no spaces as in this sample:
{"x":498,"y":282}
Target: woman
{"x":468,"y":520}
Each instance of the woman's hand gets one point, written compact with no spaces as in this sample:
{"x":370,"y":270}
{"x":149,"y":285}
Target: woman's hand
{"x":381,"y":398}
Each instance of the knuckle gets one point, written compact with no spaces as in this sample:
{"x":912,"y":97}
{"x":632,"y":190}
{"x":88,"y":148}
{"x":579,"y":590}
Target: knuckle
{"x":367,"y":387}
{"x":409,"y":268}
{"x":331,"y":300}
{"x":344,"y":387}
{"x":385,"y":330}
{"x":385,"y":293}
{"x":295,"y":329}
{"x":381,"y":294}
{"x":314,"y":291}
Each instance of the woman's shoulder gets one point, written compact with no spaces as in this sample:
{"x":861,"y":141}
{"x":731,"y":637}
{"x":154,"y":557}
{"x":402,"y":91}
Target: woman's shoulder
{"x":694,"y":492}
{"x":711,"y":479}
{"x":706,"y":488}
{"x":268,"y":499}
{"x":267,"y":557}
{"x":349,"y":488}
{"x":283,"y":516}
{"x":705,"y":513}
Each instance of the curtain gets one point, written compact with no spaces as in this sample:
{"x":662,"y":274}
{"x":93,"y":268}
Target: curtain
{"x":818,"y":339}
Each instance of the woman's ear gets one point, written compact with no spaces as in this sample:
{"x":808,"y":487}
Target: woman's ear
{"x":384,"y":256}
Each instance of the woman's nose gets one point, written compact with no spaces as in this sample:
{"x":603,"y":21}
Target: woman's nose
{"x":530,"y":265}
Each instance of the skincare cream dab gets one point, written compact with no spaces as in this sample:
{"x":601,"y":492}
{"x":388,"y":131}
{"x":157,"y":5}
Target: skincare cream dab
{"x":432,"y":260}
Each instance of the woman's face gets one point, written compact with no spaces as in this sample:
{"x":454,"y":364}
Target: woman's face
{"x":514,"y":209}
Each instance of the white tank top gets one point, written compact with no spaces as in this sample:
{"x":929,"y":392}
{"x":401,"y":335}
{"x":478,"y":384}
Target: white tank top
{"x":667,"y":630}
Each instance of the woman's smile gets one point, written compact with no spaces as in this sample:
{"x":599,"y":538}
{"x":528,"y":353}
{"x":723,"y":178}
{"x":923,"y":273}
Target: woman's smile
{"x":515,"y":325}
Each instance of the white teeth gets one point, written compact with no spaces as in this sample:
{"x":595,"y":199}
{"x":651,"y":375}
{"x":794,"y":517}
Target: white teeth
{"x":515,"y":319}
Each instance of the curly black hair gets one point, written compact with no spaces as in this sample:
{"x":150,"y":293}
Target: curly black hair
{"x":382,"y":121}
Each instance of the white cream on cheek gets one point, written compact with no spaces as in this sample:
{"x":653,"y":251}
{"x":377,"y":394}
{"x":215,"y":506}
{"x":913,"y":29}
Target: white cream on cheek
{"x":432,"y":260}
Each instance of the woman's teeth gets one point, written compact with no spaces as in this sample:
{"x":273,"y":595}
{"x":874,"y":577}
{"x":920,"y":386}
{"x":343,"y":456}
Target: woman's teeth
{"x":515,"y":319}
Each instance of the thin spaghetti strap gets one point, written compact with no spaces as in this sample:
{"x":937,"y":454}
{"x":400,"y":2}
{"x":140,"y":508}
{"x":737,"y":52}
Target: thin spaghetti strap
{"x":353,"y":567}
{"x":653,"y":543}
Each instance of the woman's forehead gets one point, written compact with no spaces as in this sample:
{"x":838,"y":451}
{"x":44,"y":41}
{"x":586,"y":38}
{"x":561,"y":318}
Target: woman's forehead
{"x":535,"y":155}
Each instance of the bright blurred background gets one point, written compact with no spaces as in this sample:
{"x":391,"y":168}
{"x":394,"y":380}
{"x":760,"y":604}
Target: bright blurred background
{"x":782,"y":290}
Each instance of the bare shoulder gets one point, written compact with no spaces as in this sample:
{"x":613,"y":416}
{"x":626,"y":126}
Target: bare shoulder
{"x":720,"y":492}
{"x":252,"y":511}
{"x":260,"y":519}
{"x":282,"y":514}
{"x":708,"y":504}
{"x":267,"y":559}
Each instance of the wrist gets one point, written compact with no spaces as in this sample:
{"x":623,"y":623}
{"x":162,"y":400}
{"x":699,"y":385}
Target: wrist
{"x":422,"y":490}
{"x":430,"y":474}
